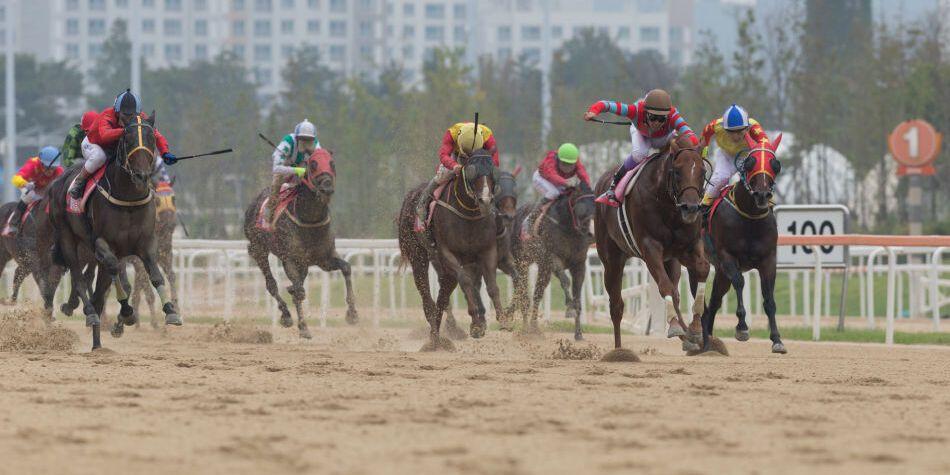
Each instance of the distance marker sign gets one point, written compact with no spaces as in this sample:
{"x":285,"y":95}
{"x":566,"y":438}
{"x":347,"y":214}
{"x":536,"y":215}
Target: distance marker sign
{"x":914,"y":144}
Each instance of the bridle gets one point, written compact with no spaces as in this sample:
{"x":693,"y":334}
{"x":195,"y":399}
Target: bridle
{"x":571,"y":202}
{"x":125,"y":155}
{"x":672,"y":185}
{"x":745,"y":177}
{"x":467,"y":189}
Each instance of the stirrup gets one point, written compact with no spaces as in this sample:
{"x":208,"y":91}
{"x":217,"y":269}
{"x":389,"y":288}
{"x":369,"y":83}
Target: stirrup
{"x":608,"y":198}
{"x":418,"y":225}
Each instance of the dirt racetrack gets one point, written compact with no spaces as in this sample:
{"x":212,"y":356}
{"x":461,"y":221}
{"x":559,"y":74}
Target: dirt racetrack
{"x":363,"y":401}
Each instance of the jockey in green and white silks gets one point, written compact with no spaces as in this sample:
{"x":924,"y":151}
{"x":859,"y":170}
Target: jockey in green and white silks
{"x":289,"y":156}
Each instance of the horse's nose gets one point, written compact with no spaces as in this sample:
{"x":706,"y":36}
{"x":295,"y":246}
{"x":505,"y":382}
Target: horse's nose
{"x":687,"y":208}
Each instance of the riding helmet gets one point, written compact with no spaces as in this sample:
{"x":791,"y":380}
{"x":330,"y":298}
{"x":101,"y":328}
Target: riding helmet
{"x":127,"y":103}
{"x":469,"y":139}
{"x":658,"y":102}
{"x":305,"y":129}
{"x":48,"y":155}
{"x":735,"y":118}
{"x":568,"y":153}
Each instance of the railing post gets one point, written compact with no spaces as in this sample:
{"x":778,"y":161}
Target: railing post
{"x":891,"y":290}
{"x":816,"y":318}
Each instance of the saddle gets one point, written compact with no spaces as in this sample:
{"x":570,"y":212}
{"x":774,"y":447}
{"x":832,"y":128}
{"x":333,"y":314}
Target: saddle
{"x":26,"y":214}
{"x":287,"y":195}
{"x":74,"y":206}
{"x":630,"y":178}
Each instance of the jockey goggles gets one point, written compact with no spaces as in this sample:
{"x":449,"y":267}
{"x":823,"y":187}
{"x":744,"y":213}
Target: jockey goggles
{"x":656,"y":118}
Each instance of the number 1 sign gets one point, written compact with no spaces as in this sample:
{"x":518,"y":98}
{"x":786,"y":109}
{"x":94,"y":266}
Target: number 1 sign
{"x":799,"y":220}
{"x":914,"y":144}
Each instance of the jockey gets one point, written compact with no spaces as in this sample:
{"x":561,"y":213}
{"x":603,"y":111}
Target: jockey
{"x":292,"y":151}
{"x":558,"y":172}
{"x":32,"y":179}
{"x":729,"y":133}
{"x":73,"y":145}
{"x":654,"y":120}
{"x":106,"y":131}
{"x":459,"y":141}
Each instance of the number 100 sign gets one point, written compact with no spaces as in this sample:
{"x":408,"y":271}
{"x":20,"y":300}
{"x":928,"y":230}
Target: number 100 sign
{"x":804,"y":220}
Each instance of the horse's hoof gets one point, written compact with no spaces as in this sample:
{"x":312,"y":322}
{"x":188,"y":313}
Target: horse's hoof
{"x":442,"y":343}
{"x":620,"y":355}
{"x":128,"y":319}
{"x":172,"y":319}
{"x":286,"y":321}
{"x":570,"y":314}
{"x":117,"y":330}
{"x":352,"y":317}
{"x":477,"y":330}
{"x":305,"y":333}
{"x":92,"y":320}
{"x":454,"y":332}
{"x":66,"y":309}
{"x":690,"y":346}
{"x":695,"y":337}
{"x":779,"y":348}
{"x":578,"y":336}
{"x":742,"y":335}
{"x":675,"y":330}
{"x":154,"y":323}
{"x":506,"y":325}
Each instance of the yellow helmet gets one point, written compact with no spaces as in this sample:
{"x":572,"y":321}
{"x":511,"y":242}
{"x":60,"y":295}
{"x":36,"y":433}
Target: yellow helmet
{"x":469,"y":140}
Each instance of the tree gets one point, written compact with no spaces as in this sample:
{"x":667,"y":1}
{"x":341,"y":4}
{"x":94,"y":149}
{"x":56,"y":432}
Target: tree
{"x":112,"y":69}
{"x":42,"y":90}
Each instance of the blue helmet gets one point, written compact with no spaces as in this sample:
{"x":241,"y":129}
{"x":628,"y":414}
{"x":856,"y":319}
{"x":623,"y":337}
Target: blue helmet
{"x":735,"y":118}
{"x":127,"y":103}
{"x":48,"y":155}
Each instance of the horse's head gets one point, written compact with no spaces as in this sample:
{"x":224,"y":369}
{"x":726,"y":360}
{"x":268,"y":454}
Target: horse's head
{"x":581,"y":206}
{"x":685,"y":175}
{"x":506,"y":193}
{"x":478,"y":175}
{"x":759,"y":169}
{"x":136,"y":150}
{"x":321,"y":173}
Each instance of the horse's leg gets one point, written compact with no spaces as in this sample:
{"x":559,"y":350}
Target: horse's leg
{"x":653,"y":257}
{"x":767,"y":275}
{"x":447,"y":285}
{"x":155,"y":276}
{"x":613,"y":260}
{"x":698,"y":268}
{"x":544,"y":278}
{"x":566,"y":285}
{"x":453,"y":265}
{"x":111,"y":265}
{"x":50,"y":280}
{"x":165,"y":260}
{"x":337,"y":263}
{"x":730,"y":269}
{"x":577,"y":284}
{"x":141,"y":287}
{"x":420,"y":275}
{"x":519,"y":301}
{"x":260,"y":257}
{"x":720,"y":287}
{"x":489,"y":269}
{"x":19,"y":275}
{"x":73,"y":300}
{"x":297,"y":273}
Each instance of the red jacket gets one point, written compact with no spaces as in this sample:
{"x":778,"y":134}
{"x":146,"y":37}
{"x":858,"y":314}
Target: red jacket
{"x":636,"y":112}
{"x":105,"y":131}
{"x":549,"y":170}
{"x":447,"y":150}
{"x":34,"y":171}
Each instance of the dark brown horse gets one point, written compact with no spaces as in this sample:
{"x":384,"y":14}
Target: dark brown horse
{"x":300,"y":238}
{"x":561,"y":242}
{"x":742,"y":235}
{"x":119,"y":221}
{"x":165,"y":223}
{"x":25,"y":250}
{"x":662,"y":214}
{"x":464,"y":229}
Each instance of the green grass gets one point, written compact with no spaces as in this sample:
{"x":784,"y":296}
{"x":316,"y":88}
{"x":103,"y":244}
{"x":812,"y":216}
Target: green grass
{"x":853,"y":335}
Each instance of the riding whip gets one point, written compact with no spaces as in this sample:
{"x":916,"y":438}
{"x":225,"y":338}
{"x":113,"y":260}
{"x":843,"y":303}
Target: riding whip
{"x":611,"y":122}
{"x":476,"y":131}
{"x":216,"y":152}
{"x":266,"y":140}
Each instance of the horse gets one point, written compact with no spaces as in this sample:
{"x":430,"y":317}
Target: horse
{"x":560,"y":242}
{"x":743,"y":236}
{"x":300,"y":237}
{"x":118,"y":221}
{"x":23,"y":248}
{"x":662,"y":215}
{"x":165,"y":223}
{"x":465,"y":231}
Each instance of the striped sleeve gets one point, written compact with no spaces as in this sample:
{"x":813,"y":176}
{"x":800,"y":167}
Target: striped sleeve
{"x":614,"y":107}
{"x":678,"y":123}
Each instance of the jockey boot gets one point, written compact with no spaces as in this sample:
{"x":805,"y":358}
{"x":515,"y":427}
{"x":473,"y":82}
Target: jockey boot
{"x":529,"y":228}
{"x":705,"y":207}
{"x":422,"y":206}
{"x":272,"y":201}
{"x":609,"y":197}
{"x":15,"y":218}
{"x":78,"y":185}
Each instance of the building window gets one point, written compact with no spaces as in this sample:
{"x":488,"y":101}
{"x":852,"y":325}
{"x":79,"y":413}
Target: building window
{"x":504,"y":33}
{"x":97,"y":5}
{"x":338,"y":6}
{"x":237,"y":5}
{"x":504,"y":54}
{"x":95,"y":49}
{"x":263,"y":5}
{"x":201,"y":5}
{"x":172,"y":27}
{"x":286,"y":51}
{"x":72,"y":50}
{"x":287,"y":4}
{"x":313,"y":4}
{"x":623,"y":33}
{"x":172,"y":52}
{"x":313,"y":27}
{"x":97,"y":27}
{"x":337,"y":53}
{"x":676,"y":34}
{"x":408,"y":52}
{"x":237,"y":28}
{"x":435,"y":33}
{"x":650,"y":6}
{"x":148,"y":50}
{"x":338,"y":29}
{"x":366,"y":52}
{"x":532,"y":55}
{"x":238,"y":51}
{"x":459,"y":34}
{"x":408,"y":9}
{"x":173,"y":6}
{"x":262,"y":53}
{"x":148,"y":26}
{"x":201,"y":27}
{"x":148,"y":4}
{"x":557,"y":32}
{"x":408,"y":31}
{"x":287,"y":27}
{"x":201,"y":52}
{"x":435,"y":11}
{"x":262,"y":28}
{"x":263,"y":76}
{"x":366,"y":29}
{"x":428,"y":55}
{"x":72,"y":5}
{"x":459,"y":11}
{"x":676,"y":57}
{"x":531,"y":33}
{"x":122,"y":3}
{"x":72,"y":27}
{"x":649,"y":34}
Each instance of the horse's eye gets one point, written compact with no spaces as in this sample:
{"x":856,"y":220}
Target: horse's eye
{"x":749,"y":164}
{"x":776,"y":166}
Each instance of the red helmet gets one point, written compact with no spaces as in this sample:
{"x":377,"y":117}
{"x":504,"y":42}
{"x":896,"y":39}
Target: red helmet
{"x":87,"y":119}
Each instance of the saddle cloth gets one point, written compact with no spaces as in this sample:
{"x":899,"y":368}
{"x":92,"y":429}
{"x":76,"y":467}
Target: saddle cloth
{"x":74,"y":206}
{"x":287,"y":194}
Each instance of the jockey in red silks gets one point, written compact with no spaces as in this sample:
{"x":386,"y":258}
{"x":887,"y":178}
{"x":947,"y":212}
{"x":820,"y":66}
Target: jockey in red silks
{"x":559,"y":171}
{"x":654,"y":121}
{"x":106,"y":132}
{"x":459,"y":141}
{"x":32,"y":180}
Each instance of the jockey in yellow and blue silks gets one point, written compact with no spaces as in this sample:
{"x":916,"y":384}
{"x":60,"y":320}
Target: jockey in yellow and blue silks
{"x":729,"y":133}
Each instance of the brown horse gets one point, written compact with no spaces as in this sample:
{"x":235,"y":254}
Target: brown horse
{"x":119,"y":221}
{"x":465,"y":232}
{"x":24,"y":249}
{"x":562,"y":242}
{"x":662,"y":213}
{"x":742,"y":236}
{"x":300,"y":238}
{"x":165,"y":223}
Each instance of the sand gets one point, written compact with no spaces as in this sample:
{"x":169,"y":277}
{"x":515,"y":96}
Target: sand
{"x":357,"y":400}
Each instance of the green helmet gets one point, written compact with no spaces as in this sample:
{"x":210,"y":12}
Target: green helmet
{"x":568,"y":153}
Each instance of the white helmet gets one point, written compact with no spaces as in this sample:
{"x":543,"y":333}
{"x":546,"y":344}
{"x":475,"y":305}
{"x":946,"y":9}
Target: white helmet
{"x":305,"y":129}
{"x":735,"y":118}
